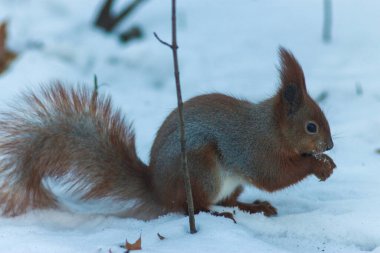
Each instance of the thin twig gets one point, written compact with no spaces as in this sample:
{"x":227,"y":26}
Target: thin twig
{"x":186,"y":174}
{"x":163,"y":42}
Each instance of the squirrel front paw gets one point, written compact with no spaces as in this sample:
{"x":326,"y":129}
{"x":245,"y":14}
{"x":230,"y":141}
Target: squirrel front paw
{"x":325,"y":167}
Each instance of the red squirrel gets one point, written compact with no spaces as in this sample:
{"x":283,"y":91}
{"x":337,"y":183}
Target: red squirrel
{"x":74,"y":134}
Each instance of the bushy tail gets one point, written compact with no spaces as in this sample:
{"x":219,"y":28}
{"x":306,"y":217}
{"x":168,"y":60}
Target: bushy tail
{"x":74,"y":136}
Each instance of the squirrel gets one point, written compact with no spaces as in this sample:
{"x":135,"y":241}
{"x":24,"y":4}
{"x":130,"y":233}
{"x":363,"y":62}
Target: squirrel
{"x":75,"y":135}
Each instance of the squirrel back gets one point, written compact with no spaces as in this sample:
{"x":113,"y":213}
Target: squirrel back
{"x":76,"y":136}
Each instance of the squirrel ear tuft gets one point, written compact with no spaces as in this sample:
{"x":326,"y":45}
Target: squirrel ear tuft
{"x":290,"y":70}
{"x":293,"y":88}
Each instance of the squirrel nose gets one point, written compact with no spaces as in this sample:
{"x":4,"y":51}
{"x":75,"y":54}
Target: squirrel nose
{"x":330,"y":145}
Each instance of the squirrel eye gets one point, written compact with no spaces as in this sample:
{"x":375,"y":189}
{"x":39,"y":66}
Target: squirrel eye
{"x":311,"y":127}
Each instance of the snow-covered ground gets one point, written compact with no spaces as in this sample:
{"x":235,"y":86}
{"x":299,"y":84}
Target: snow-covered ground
{"x":225,"y":46}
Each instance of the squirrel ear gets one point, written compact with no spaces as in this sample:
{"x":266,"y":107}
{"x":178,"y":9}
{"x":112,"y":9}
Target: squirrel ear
{"x":293,"y":87}
{"x":291,"y":97}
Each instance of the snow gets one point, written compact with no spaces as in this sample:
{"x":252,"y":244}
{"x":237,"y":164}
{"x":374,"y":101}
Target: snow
{"x":225,"y":46}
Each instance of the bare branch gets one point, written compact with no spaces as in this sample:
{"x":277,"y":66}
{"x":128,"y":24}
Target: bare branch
{"x":128,"y":10}
{"x":104,"y":18}
{"x":107,"y":21}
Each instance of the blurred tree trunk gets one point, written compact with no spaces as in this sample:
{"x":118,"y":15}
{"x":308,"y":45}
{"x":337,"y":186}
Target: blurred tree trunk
{"x":327,"y":21}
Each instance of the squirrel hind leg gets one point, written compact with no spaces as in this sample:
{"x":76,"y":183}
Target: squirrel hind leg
{"x":203,"y":168}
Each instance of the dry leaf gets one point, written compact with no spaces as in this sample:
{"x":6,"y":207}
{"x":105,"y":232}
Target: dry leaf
{"x":6,"y":56}
{"x":133,"y":246}
{"x":161,"y":237}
